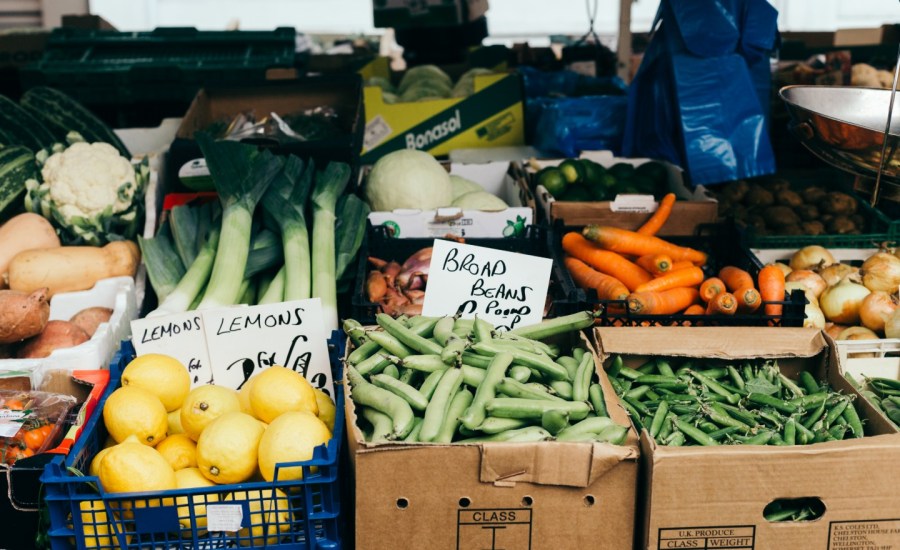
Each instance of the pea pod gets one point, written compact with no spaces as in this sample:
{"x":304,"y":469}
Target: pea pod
{"x":519,"y":373}
{"x":405,"y":335}
{"x":590,"y":425}
{"x":522,"y":435}
{"x":458,"y":405}
{"x":510,"y":388}
{"x":595,"y":396}
{"x":569,"y":363}
{"x":391,"y":371}
{"x":414,"y":433}
{"x":541,"y":363}
{"x":559,"y":325}
{"x":443,"y":330}
{"x":410,"y":394}
{"x":451,"y":355}
{"x":509,"y":407}
{"x":475,"y":360}
{"x":437,"y":407}
{"x":422,"y":363}
{"x":695,"y":433}
{"x":715,"y":387}
{"x":430,"y":383}
{"x":493,"y":425}
{"x":374,"y":364}
{"x":355,"y":331}
{"x":390,"y":343}
{"x":658,"y":418}
{"x":483,"y":331}
{"x":475,"y":414}
{"x":382,"y":425}
{"x":363,"y":351}
{"x":394,"y":406}
{"x":554,"y":420}
{"x":562,"y":389}
{"x":471,"y":376}
{"x":582,"y":382}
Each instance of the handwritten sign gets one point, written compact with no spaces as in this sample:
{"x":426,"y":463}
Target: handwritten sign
{"x":242,"y":341}
{"x":181,"y":336}
{"x":505,"y":288}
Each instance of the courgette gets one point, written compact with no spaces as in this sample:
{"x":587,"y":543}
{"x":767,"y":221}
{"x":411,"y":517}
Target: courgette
{"x":17,"y":165}
{"x":20,"y":127}
{"x":61,"y":114}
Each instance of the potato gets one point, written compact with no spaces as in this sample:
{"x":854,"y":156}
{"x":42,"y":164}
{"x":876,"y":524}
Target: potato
{"x":780,"y":216}
{"x":735,"y":191}
{"x":786,"y":197}
{"x":757,"y":196}
{"x":756,"y":222}
{"x":812,"y":227}
{"x":777,"y":184}
{"x":89,"y":319}
{"x":813,"y":195}
{"x":838,"y":203}
{"x":859,"y":220}
{"x":22,"y":315}
{"x":841,"y":225}
{"x":807,"y":212}
{"x":56,"y":335}
{"x":790,"y":230}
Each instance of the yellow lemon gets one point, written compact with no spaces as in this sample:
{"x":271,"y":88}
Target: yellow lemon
{"x":326,"y":408}
{"x":270,"y":516}
{"x":132,"y":467}
{"x":203,"y":405}
{"x":279,"y":390}
{"x":290,"y":438}
{"x":161,"y":375}
{"x":95,"y":523}
{"x":179,"y":450}
{"x":227,"y":448}
{"x":175,"y":422}
{"x":191,"y":478}
{"x":134,"y":411}
{"x":244,"y":396}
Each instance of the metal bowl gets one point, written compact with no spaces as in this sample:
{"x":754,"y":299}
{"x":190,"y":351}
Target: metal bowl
{"x":844,"y":126}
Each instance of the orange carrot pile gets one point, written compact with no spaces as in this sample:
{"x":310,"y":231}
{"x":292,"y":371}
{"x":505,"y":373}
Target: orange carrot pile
{"x":656,"y":277}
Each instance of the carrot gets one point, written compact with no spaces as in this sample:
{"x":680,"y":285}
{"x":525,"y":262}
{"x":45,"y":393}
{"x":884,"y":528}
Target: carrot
{"x":656,"y":264}
{"x":608,"y":288}
{"x":748,"y":299}
{"x":666,"y":302}
{"x":604,"y":261}
{"x":723,"y":303}
{"x":691,"y":276}
{"x":623,"y":241}
{"x":695,"y":309}
{"x":710,"y":288}
{"x":735,"y":278}
{"x":771,"y":288}
{"x":658,"y":219}
{"x":681,"y":265}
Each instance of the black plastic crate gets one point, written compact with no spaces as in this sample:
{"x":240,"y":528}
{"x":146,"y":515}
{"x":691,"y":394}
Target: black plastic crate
{"x":722,"y":243}
{"x":379,"y":244}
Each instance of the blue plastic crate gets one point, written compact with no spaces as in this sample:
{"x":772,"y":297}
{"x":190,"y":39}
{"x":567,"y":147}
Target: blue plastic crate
{"x":306,"y":517}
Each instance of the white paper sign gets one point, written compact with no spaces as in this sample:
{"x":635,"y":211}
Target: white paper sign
{"x":243,"y":340}
{"x":505,"y":288}
{"x":643,"y":204}
{"x":224,"y":517}
{"x":181,"y":336}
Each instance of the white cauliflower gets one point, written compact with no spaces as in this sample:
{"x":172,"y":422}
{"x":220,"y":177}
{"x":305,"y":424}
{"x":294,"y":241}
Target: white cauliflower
{"x":87,"y":178}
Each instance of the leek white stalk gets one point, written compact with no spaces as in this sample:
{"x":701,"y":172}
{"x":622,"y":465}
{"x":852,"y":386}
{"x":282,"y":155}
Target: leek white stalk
{"x":330,"y":183}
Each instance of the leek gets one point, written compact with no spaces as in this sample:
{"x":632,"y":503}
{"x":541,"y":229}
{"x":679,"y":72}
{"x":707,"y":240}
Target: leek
{"x":274,"y":292}
{"x":191,"y":285}
{"x":164,"y":268}
{"x":330,"y":183}
{"x":241,"y":174}
{"x":351,"y":228}
{"x":285,"y":202}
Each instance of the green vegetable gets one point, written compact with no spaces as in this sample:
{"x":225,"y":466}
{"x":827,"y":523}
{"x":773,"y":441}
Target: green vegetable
{"x":17,"y":166}
{"x":394,"y":406}
{"x":191,"y":283}
{"x":330,"y":183}
{"x":350,"y":230}
{"x":19,"y":126}
{"x":285,"y":202}
{"x":164,"y":269}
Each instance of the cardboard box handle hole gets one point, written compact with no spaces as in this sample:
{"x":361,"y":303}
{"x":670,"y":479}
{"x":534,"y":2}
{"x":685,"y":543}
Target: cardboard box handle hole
{"x":794,"y":510}
{"x":589,"y":500}
{"x":527,"y":501}
{"x":402,"y":503}
{"x":464,"y":502}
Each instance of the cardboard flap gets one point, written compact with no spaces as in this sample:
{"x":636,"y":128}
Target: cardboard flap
{"x":718,"y":342}
{"x":566,"y":464}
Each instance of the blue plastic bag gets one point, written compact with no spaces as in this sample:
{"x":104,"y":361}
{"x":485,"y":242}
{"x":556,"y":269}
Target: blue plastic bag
{"x":700,"y":98}
{"x":571,"y":125}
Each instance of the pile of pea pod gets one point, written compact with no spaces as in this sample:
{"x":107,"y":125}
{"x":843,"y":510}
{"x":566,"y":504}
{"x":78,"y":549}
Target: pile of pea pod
{"x":883,"y":393}
{"x":447,"y":380}
{"x":699,"y":402}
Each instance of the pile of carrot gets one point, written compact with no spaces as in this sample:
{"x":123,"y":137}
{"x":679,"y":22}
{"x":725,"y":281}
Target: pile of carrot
{"x":656,"y":277}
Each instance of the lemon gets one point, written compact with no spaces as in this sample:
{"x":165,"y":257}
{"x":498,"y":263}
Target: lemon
{"x":203,"y":405}
{"x":279,"y":390}
{"x":132,"y":467}
{"x":244,"y":396}
{"x":326,"y":408}
{"x":227,"y":448}
{"x":95,"y":521}
{"x":190,"y":478}
{"x":161,"y":375}
{"x":175,"y":422}
{"x":179,"y":450}
{"x":270,"y":516}
{"x":134,"y":411}
{"x":290,"y":438}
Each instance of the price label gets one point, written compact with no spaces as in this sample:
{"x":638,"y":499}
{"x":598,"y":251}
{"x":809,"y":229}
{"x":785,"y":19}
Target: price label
{"x":504,"y":288}
{"x":181,"y":336}
{"x":224,"y":517}
{"x":244,"y":340}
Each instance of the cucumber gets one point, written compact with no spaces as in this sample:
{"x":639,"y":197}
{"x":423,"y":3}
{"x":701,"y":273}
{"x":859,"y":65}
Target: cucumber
{"x":19,"y":127}
{"x":61,"y":114}
{"x":17,"y":165}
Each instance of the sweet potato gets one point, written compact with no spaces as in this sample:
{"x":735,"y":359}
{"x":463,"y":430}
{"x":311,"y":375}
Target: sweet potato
{"x":89,"y":319}
{"x":22,"y":315}
{"x":56,"y":335}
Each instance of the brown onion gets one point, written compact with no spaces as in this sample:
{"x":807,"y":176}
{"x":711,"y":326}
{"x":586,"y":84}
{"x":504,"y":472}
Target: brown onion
{"x":811,"y":257}
{"x":876,"y":309}
{"x":834,"y":330}
{"x":814,"y":317}
{"x":810,"y":297}
{"x":892,"y":326}
{"x":786,"y":269}
{"x":857,"y":333}
{"x":840,"y":303}
{"x":809,"y":279}
{"x":835,"y":272}
{"x":881,"y":272}
{"x":417,"y":264}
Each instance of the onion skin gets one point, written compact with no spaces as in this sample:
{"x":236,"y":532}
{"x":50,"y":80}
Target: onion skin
{"x":811,"y":257}
{"x":814,"y":317}
{"x":833,"y":274}
{"x":892,"y":326}
{"x":834,"y":330}
{"x":881,"y":272}
{"x":841,"y":303}
{"x":876,"y":309}
{"x":810,"y":297}
{"x":809,"y":279}
{"x":786,"y":269}
{"x":857,"y":333}
{"x":417,"y":264}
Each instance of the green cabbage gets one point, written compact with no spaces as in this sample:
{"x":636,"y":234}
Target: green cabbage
{"x":408,"y":179}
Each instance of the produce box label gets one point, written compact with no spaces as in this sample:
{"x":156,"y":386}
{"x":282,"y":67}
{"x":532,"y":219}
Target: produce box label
{"x":509,"y":529}
{"x":180,"y":335}
{"x":733,"y":537}
{"x":229,"y":345}
{"x":876,"y":533}
{"x":504,"y":288}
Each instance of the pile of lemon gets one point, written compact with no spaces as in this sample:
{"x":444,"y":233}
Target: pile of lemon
{"x":164,"y":436}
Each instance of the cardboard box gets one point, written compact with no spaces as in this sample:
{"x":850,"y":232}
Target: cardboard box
{"x":493,"y":116}
{"x":403,"y":14}
{"x":714,"y":497}
{"x":498,"y":178}
{"x":515,"y":496}
{"x":628,"y":211}
{"x":884,"y":34}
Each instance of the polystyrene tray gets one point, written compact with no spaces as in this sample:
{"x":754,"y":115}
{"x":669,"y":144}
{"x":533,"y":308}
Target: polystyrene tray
{"x":117,"y":294}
